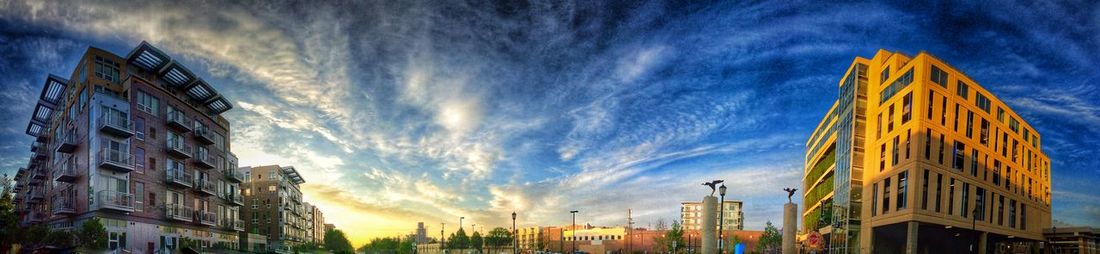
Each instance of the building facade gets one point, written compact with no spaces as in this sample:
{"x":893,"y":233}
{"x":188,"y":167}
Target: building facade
{"x":137,"y":142}
{"x":1075,"y":240}
{"x":317,"y":225}
{"x":421,"y":233}
{"x":274,"y":205}
{"x":691,"y":215}
{"x":914,"y":151}
{"x":530,"y":238}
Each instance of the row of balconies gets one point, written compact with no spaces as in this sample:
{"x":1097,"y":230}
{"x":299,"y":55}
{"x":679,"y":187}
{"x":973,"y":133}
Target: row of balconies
{"x":184,"y":179}
{"x":184,"y":213}
{"x":232,"y":224}
{"x":182,"y":150}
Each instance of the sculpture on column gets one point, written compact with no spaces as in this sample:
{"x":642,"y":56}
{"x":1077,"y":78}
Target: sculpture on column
{"x":790,"y":193}
{"x":712,"y":184}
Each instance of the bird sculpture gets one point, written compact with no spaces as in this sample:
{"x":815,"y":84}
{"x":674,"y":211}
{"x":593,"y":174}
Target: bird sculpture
{"x":712,"y":184}
{"x":790,"y":193}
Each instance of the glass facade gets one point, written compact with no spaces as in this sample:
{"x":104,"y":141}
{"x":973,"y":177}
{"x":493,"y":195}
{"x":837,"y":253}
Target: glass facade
{"x":847,"y":196}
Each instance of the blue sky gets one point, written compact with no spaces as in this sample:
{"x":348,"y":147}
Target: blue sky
{"x":398,"y":112}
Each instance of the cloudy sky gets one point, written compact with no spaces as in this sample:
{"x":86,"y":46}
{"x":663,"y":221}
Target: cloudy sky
{"x":403,"y":111}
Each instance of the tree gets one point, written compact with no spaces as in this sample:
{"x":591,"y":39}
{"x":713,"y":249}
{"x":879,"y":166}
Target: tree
{"x":476,"y":241}
{"x":9,"y":230}
{"x":498,"y":237}
{"x":771,"y":239}
{"x":458,"y":240}
{"x":388,"y":245}
{"x":93,"y":236}
{"x":337,"y":242}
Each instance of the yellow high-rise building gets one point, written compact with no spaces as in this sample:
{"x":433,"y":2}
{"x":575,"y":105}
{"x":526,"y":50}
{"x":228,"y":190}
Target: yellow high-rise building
{"x":915,"y":157}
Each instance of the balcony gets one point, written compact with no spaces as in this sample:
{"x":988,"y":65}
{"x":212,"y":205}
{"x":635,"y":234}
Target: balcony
{"x":41,"y":154}
{"x":205,"y":186}
{"x":65,"y":171}
{"x":234,"y":175}
{"x":238,"y":225}
{"x":179,"y":149}
{"x":118,"y":201}
{"x":37,"y":146}
{"x":206,"y":218}
{"x":178,"y":212}
{"x":115,"y":124}
{"x":115,"y":160}
{"x":69,"y":142}
{"x":234,"y":198}
{"x":204,"y":134}
{"x":36,"y":173}
{"x":63,"y":206}
{"x":178,"y":121}
{"x":206,"y":161}
{"x":179,"y":177}
{"x":35,"y":194}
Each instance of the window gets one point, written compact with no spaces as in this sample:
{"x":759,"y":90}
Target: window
{"x":907,"y":108}
{"x":962,"y":90}
{"x":139,"y":128}
{"x":1000,"y":114}
{"x":271,"y":188}
{"x":890,"y":119}
{"x":139,"y":160}
{"x":958,"y":155}
{"x":1013,"y":125}
{"x":939,"y":76}
{"x":885,"y":75}
{"x":1012,"y":213}
{"x":139,"y":196}
{"x":924,"y":191}
{"x":979,"y":204}
{"x":1008,"y":178}
{"x":903,"y":190}
{"x":982,"y":102}
{"x":955,"y":120}
{"x":928,"y":144}
{"x":1001,"y":210}
{"x":974,"y":162}
{"x":931,"y":101}
{"x":882,"y":158}
{"x":879,"y":133}
{"x":951,"y":197}
{"x":148,"y":103}
{"x":1023,"y":216}
{"x":984,"y":134}
{"x":903,"y":81}
{"x":939,"y":190}
{"x":116,"y":240}
{"x":152,"y":164}
{"x":106,"y":69}
{"x":885,"y":195}
{"x":943,"y":112}
{"x":152,"y":199}
{"x":908,"y":141}
{"x":969,"y":124}
{"x":965,"y":200}
{"x":996,"y":172}
{"x":942,"y":144}
{"x":894,"y":160}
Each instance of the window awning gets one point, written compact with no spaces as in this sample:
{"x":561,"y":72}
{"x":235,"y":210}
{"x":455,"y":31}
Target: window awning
{"x":177,"y":75}
{"x":293,"y":174}
{"x":53,"y":90}
{"x":35,"y":129}
{"x":219,"y":105}
{"x":201,"y":91}
{"x":148,"y":57}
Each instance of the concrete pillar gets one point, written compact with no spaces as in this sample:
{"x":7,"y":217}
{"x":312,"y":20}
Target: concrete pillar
{"x":710,"y":225}
{"x":911,"y":237}
{"x":982,"y":242}
{"x":790,"y":225}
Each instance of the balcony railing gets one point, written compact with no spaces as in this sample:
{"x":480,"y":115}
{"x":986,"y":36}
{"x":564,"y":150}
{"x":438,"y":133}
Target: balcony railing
{"x":178,"y":121}
{"x":65,"y":171}
{"x":37,"y":146}
{"x":238,"y":225}
{"x":206,"y":218}
{"x":36,"y":194}
{"x":204,"y":134}
{"x":115,"y":124}
{"x":69,"y":142}
{"x":234,"y":198}
{"x":119,"y":201}
{"x":178,"y":212}
{"x":205,"y":186}
{"x":179,"y":149}
{"x":63,"y":205}
{"x":179,"y":176}
{"x":205,"y":160}
{"x":115,"y":160}
{"x":41,"y":154}
{"x":234,"y":175}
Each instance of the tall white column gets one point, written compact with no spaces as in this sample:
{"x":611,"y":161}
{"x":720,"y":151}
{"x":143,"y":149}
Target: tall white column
{"x":710,"y":225}
{"x":790,"y":225}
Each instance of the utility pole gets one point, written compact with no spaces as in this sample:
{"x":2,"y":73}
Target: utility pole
{"x":574,"y":237}
{"x":442,"y":238}
{"x":629,"y":231}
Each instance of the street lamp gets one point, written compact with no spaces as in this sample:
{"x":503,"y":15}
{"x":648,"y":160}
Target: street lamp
{"x":574,"y":237}
{"x":460,"y":222}
{"x":514,"y":240}
{"x":442,"y":239}
{"x":721,"y":215}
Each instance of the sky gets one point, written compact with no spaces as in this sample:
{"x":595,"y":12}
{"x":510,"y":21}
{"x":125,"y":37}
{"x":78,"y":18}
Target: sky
{"x":397,"y":112}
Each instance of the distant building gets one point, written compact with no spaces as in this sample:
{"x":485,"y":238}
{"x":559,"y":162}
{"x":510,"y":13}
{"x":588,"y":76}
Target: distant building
{"x":691,"y":215}
{"x":1073,"y":239}
{"x":318,"y":225}
{"x":330,"y":227}
{"x":274,"y":205}
{"x":421,"y":233}
{"x":530,"y":238}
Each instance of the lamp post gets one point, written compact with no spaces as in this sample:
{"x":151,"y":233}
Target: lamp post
{"x":974,"y":227}
{"x":721,"y":215}
{"x":460,"y":222}
{"x":574,"y":237}
{"x":442,"y":238}
{"x":514,"y":240}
